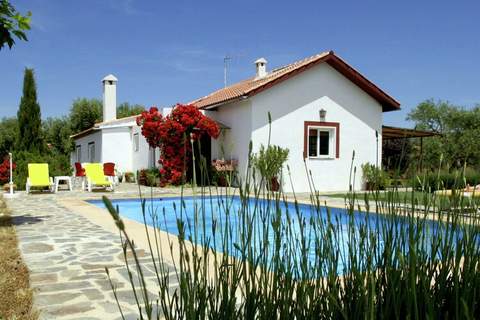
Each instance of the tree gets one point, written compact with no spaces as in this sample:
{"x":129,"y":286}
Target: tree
{"x":57,"y":133}
{"x":125,"y":110}
{"x":8,"y":135}
{"x":12,"y":24}
{"x":85,"y":113}
{"x":29,"y":117}
{"x":460,"y":129}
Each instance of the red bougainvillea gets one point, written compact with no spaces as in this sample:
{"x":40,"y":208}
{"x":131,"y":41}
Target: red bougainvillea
{"x":173,"y":134}
{"x":5,"y":170}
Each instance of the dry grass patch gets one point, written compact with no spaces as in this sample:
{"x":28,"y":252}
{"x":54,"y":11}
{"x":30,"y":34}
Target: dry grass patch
{"x":16,"y":297}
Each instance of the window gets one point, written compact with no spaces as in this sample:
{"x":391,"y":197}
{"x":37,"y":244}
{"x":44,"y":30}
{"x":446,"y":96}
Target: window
{"x":152,"y":161}
{"x":136,"y":142}
{"x":321,"y":140}
{"x":78,"y":151}
{"x":91,"y":152}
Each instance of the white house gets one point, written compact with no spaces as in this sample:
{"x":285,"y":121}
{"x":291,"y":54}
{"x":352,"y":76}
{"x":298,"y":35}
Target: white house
{"x":114,"y":140}
{"x":321,"y":108}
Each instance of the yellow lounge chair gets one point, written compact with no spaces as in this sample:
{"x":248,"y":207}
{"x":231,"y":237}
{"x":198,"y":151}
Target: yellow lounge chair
{"x":38,"y":177}
{"x":96,"y":177}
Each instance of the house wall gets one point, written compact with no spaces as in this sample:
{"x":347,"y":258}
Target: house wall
{"x":145,"y":157}
{"x":95,"y":137}
{"x":233,"y":143}
{"x":299,"y":99}
{"x":117,"y":147}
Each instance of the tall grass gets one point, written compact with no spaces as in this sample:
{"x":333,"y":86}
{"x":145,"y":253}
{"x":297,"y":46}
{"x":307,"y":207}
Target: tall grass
{"x":271,"y":257}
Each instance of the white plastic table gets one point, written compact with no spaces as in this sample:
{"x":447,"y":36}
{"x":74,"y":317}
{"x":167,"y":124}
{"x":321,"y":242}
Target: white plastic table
{"x":63,"y":178}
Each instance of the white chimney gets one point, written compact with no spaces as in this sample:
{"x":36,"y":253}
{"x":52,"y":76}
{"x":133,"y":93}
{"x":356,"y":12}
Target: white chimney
{"x":261,"y":66}
{"x":109,"y":97}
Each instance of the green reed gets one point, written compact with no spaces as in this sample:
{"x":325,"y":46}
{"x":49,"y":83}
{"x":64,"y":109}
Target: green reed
{"x":264,"y":260}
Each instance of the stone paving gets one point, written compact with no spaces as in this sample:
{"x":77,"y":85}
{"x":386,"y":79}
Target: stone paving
{"x":67,"y":255}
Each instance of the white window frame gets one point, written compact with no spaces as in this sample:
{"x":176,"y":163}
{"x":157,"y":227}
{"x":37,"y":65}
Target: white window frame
{"x":332,"y":142}
{"x":136,"y":142}
{"x":91,"y":158}
{"x":78,"y":152}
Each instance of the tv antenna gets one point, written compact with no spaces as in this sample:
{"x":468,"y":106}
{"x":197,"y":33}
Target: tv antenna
{"x":225,"y":65}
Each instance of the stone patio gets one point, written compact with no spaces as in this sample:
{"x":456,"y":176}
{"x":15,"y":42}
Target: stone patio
{"x":67,"y":255}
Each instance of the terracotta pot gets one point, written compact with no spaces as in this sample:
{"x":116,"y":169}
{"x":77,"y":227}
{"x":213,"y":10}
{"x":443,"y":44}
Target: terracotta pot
{"x":222,"y":181}
{"x":274,"y":185}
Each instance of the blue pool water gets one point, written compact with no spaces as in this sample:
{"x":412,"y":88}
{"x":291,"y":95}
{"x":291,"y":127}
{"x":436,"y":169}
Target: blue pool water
{"x":206,"y":219}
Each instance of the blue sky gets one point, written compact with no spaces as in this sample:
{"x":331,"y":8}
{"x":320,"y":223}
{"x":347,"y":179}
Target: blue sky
{"x":167,"y":52}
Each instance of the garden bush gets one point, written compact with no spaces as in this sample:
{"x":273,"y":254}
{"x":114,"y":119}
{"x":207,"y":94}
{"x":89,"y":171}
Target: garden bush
{"x":175,"y":134}
{"x":269,"y":162}
{"x":455,"y":179}
{"x":374,"y":178}
{"x":5,"y":170}
{"x":149,"y":177}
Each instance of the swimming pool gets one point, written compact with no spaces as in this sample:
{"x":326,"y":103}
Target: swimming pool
{"x":261,"y":224}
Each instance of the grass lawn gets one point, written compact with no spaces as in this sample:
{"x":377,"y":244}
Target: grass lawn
{"x":15,"y":294}
{"x":401,"y":197}
{"x":382,"y":195}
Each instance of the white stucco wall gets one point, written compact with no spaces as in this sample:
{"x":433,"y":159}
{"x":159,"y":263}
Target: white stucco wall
{"x":144,"y":157}
{"x":295,"y":101}
{"x":117,"y":147}
{"x":83,"y":142}
{"x":233,"y":143}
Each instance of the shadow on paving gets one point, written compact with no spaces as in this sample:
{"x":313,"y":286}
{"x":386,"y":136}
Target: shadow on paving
{"x":27,"y":219}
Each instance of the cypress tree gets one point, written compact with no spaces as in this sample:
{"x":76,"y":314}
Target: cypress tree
{"x":29,"y":117}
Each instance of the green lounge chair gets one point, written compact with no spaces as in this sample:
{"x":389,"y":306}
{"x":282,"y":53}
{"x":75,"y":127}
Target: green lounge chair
{"x":38,"y":177}
{"x":96,"y":177}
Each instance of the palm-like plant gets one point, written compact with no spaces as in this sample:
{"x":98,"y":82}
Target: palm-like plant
{"x":269,"y":162}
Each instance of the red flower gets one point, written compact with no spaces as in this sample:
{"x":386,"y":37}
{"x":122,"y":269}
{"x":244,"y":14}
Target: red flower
{"x":5,"y":170}
{"x":172,"y":134}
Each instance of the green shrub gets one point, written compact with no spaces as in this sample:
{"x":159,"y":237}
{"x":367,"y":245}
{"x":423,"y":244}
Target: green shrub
{"x":456,"y":179}
{"x":374,"y":178}
{"x":269,"y":162}
{"x":148,"y":177}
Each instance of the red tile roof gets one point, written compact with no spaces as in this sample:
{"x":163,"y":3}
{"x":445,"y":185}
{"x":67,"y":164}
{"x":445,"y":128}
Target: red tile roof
{"x":252,"y":86}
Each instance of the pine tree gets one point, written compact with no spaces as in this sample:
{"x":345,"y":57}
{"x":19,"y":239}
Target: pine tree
{"x":29,"y":117}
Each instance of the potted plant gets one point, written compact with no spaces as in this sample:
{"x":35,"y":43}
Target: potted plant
{"x":269,"y":162}
{"x":224,"y":171}
{"x":373,"y":177}
{"x":149,"y":177}
{"x":129,"y":177}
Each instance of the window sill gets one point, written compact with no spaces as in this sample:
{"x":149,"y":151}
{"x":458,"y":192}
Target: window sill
{"x":322,"y":158}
